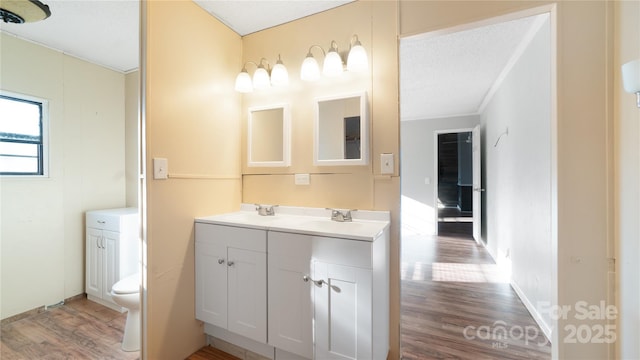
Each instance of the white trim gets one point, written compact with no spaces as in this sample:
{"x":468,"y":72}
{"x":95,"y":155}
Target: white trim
{"x":435,"y":169}
{"x":364,"y":132}
{"x":286,"y":136}
{"x":546,"y":329}
{"x":517,"y":54}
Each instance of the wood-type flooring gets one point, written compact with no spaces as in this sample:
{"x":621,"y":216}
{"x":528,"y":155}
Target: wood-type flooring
{"x":79,"y":329}
{"x":455,"y":303}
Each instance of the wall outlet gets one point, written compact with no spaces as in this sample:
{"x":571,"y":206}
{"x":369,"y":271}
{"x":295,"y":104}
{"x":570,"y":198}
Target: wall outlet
{"x":302,"y":179}
{"x":160,"y":168}
{"x":386,"y":163}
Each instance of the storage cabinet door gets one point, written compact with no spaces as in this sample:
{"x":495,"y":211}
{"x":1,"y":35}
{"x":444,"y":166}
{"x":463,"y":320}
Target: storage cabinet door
{"x":211,"y":283}
{"x":342,"y":312}
{"x":93,"y":283}
{"x":111,"y":267}
{"x":247,"y":293}
{"x":290,"y":306}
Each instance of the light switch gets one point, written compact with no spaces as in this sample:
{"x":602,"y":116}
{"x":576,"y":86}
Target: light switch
{"x":386,"y":163}
{"x":302,"y":179}
{"x":427,"y":181}
{"x":160,"y":168}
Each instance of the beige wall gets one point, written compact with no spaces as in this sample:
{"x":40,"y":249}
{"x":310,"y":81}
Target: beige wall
{"x":584,"y":147}
{"x":193,"y":120}
{"x":356,"y":187}
{"x":42,"y":230}
{"x":627,"y":155}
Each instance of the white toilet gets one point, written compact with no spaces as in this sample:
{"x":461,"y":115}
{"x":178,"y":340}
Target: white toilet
{"x":126,"y":293}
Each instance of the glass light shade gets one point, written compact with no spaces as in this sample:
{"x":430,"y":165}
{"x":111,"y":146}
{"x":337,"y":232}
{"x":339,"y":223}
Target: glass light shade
{"x":279,"y":75}
{"x":261,"y":79}
{"x":631,"y":76}
{"x":357,"y":60}
{"x":332,"y":65}
{"x":309,"y":71}
{"x":243,"y":82}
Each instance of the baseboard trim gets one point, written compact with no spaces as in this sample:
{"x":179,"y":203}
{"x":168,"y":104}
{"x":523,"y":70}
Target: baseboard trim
{"x":546,"y":329}
{"x":38,"y":310}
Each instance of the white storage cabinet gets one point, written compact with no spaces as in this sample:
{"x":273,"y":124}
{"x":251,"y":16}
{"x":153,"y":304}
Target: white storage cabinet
{"x":112,"y":251}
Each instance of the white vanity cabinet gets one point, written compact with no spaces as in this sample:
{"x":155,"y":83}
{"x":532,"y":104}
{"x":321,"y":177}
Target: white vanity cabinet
{"x":310,"y":288}
{"x":329,"y":291}
{"x":112,"y":251}
{"x":231,"y":279}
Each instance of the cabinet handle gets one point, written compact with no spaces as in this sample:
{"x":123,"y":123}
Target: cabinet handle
{"x":220,"y":261}
{"x":306,"y":278}
{"x":230,"y":263}
{"x":102,"y":242}
{"x":101,"y":222}
{"x":98,"y":242}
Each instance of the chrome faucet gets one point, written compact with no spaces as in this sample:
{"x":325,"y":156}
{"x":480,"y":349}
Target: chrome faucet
{"x":341,"y":215}
{"x":266,"y":210}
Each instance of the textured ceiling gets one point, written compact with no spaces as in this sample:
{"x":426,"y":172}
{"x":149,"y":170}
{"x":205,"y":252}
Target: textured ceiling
{"x":246,"y":17}
{"x":104,"y":32}
{"x":451,"y":74}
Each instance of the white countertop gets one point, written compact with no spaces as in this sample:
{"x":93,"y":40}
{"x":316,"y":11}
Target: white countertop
{"x":366,"y":225}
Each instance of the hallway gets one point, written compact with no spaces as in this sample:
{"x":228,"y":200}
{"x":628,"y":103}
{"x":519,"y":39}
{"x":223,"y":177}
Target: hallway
{"x":457,"y":304}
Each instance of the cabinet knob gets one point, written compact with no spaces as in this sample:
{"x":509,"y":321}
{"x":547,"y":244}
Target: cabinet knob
{"x":230,"y":263}
{"x":220,"y":261}
{"x":306,"y":278}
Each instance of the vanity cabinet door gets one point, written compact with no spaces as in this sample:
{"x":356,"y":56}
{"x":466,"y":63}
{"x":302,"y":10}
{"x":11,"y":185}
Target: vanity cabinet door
{"x":231,"y":279}
{"x":247,"y":293}
{"x":94,"y":262}
{"x":211,"y":283}
{"x":342,"y":312}
{"x":290,"y":296}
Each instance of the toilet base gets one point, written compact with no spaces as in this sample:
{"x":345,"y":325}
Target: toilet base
{"x":131,"y":338}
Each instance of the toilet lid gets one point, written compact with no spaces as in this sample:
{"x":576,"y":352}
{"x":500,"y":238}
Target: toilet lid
{"x":128,"y":285}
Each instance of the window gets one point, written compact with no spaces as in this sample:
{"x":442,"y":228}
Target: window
{"x":22,"y":135}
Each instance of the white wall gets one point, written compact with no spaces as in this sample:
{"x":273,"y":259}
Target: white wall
{"x":418,"y":163}
{"x":517,"y":173}
{"x":132,"y":111}
{"x":627,"y":150}
{"x":42,"y":230}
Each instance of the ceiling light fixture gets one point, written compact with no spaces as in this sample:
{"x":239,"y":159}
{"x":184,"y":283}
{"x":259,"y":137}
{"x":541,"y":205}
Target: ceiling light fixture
{"x":631,"y":78}
{"x":263,"y":78}
{"x":333,"y":66}
{"x":22,"y":11}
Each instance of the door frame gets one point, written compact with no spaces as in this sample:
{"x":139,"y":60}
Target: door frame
{"x":436,"y":133}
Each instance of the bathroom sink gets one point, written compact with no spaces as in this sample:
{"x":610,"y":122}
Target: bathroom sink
{"x":356,"y":229}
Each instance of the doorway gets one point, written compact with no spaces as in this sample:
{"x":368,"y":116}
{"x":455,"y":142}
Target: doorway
{"x":454,"y":183}
{"x":512,"y":101}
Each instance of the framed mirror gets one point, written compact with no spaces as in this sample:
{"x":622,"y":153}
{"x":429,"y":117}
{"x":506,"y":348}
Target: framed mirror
{"x":341,"y":130}
{"x":268,"y":136}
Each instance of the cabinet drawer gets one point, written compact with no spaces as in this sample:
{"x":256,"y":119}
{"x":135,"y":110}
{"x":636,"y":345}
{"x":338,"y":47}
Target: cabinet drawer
{"x":342,"y":251}
{"x":103,"y":221}
{"x":233,"y":237}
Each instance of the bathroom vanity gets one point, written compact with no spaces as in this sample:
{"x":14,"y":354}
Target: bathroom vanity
{"x":295,"y":284}
{"x":112,"y":251}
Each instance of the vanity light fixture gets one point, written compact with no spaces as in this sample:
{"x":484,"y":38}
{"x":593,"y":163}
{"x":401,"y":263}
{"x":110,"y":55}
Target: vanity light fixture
{"x":357,"y":60}
{"x":310,"y":71}
{"x":631,"y":78}
{"x":333,"y":66}
{"x":263,"y":78}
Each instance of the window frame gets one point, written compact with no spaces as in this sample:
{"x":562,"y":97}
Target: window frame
{"x":43,"y":153}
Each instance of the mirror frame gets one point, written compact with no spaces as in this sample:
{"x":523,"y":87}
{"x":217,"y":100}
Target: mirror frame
{"x":286,"y":136}
{"x":364,"y":132}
